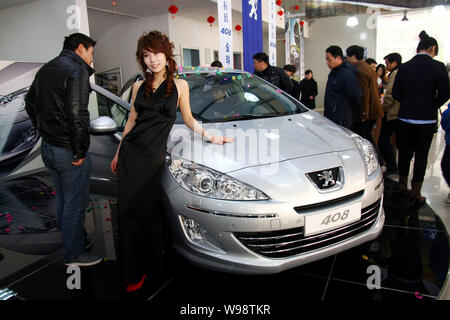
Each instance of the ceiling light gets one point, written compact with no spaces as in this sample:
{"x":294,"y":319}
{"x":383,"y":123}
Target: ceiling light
{"x":352,"y":21}
{"x":438,"y":10}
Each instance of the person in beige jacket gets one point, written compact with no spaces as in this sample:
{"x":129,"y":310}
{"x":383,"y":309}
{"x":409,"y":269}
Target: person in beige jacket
{"x":390,"y":120}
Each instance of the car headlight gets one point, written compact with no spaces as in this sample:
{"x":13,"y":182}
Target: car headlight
{"x":368,"y":152}
{"x":209,"y":183}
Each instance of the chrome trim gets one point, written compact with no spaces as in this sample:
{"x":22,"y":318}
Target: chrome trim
{"x":5,"y":294}
{"x":315,"y":243}
{"x":339,"y":184}
{"x":233,"y":215}
{"x":102,"y":179}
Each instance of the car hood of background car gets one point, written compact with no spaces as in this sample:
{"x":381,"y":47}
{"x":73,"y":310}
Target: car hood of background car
{"x":266,"y":140}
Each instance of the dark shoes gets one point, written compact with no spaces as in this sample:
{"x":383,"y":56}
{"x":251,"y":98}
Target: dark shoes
{"x":415,"y":195}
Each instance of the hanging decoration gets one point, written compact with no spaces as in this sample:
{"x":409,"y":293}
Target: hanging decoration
{"x":173,"y":9}
{"x":279,"y":2}
{"x":238,"y":28}
{"x":296,"y":8}
{"x":211,"y":20}
{"x":114,"y":6}
{"x":280,"y":13}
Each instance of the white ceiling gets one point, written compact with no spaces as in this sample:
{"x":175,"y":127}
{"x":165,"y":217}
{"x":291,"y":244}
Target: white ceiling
{"x":146,"y":8}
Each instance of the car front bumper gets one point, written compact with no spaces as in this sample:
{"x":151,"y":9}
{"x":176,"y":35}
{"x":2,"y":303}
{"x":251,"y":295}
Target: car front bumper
{"x":226,"y":223}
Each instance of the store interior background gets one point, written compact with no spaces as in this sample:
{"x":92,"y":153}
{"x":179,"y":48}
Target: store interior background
{"x":34,"y":30}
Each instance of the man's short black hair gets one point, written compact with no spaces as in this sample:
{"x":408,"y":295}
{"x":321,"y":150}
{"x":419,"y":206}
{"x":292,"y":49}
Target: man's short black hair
{"x":290,"y":68}
{"x":335,"y":51}
{"x":261,"y":56}
{"x":370,"y":61}
{"x":356,"y":51}
{"x":75,"y":39}
{"x":216,"y":64}
{"x":391,"y":57}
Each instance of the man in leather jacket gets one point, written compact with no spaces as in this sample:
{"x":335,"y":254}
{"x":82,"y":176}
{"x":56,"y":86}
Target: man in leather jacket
{"x":274,"y":75}
{"x":57,"y":103}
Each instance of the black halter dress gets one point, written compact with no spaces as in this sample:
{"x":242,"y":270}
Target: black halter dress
{"x":141,"y":159}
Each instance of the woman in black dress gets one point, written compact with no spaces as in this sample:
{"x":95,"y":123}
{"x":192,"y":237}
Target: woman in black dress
{"x":141,"y":155}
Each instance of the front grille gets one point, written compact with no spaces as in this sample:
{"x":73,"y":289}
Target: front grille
{"x":290,"y":242}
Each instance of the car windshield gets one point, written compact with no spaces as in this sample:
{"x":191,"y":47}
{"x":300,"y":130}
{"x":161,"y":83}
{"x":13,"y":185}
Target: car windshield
{"x":220,"y":97}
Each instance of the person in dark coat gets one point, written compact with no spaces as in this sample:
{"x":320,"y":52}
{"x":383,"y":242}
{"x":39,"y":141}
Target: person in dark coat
{"x":421,"y":86}
{"x":290,"y":70}
{"x":308,"y":88}
{"x":342,"y":92}
{"x":274,"y":75}
{"x":57,"y":103}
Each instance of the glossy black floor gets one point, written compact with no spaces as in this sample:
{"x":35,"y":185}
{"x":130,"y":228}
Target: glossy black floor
{"x":412,"y":253}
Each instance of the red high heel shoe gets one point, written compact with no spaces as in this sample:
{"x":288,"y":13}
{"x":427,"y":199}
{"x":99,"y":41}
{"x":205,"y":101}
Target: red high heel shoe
{"x":136,"y":286}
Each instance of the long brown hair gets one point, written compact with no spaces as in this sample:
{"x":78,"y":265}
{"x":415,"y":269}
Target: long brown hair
{"x":155,"y":41}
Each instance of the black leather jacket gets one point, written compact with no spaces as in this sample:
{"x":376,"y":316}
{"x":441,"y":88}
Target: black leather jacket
{"x":57,"y":103}
{"x":277,"y":77}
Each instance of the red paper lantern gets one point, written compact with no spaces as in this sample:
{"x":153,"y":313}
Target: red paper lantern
{"x":211,"y":19}
{"x":278,"y":2}
{"x":280,"y":13}
{"x":238,"y":28}
{"x":302,"y":22}
{"x":173,"y":9}
{"x":296,"y":7}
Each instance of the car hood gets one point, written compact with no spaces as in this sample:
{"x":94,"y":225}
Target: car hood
{"x":260,"y":141}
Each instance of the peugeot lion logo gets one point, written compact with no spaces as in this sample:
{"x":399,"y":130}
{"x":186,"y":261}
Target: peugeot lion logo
{"x":327,"y":177}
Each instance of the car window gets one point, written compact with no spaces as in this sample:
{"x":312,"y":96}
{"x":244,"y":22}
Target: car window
{"x":236,"y":96}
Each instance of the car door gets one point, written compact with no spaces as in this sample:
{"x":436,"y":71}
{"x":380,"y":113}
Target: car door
{"x":103,"y":147}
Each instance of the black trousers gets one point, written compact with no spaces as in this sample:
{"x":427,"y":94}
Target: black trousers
{"x":384,"y":143}
{"x":445,"y":164}
{"x":414,"y":140}
{"x":364,"y":129}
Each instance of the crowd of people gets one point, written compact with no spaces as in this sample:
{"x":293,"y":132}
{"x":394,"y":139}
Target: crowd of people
{"x":393,"y":105}
{"x":358,"y":96}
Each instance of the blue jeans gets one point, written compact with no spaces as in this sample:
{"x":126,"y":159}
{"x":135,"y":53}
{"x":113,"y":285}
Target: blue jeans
{"x":72,"y":196}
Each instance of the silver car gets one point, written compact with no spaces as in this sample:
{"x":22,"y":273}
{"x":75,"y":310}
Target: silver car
{"x":293,"y":187}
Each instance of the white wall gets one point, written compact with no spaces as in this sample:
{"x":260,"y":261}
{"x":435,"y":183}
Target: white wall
{"x":333,"y":31}
{"x":34,"y":32}
{"x":195,"y":34}
{"x":116,"y":47}
{"x":399,"y":36}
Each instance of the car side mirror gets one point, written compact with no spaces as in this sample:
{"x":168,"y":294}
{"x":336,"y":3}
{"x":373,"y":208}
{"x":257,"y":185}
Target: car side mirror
{"x":103,"y":126}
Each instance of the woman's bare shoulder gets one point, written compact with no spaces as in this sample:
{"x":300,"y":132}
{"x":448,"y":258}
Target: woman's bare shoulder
{"x":181,"y":84}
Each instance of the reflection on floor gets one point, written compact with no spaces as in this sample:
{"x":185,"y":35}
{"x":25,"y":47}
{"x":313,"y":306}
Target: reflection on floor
{"x":412,"y":254}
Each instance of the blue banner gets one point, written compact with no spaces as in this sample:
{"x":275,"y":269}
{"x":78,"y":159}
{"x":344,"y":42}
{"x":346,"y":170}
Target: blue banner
{"x":252,"y":29}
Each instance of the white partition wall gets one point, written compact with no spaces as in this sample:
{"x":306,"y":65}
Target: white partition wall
{"x":35,"y":31}
{"x":395,"y":35}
